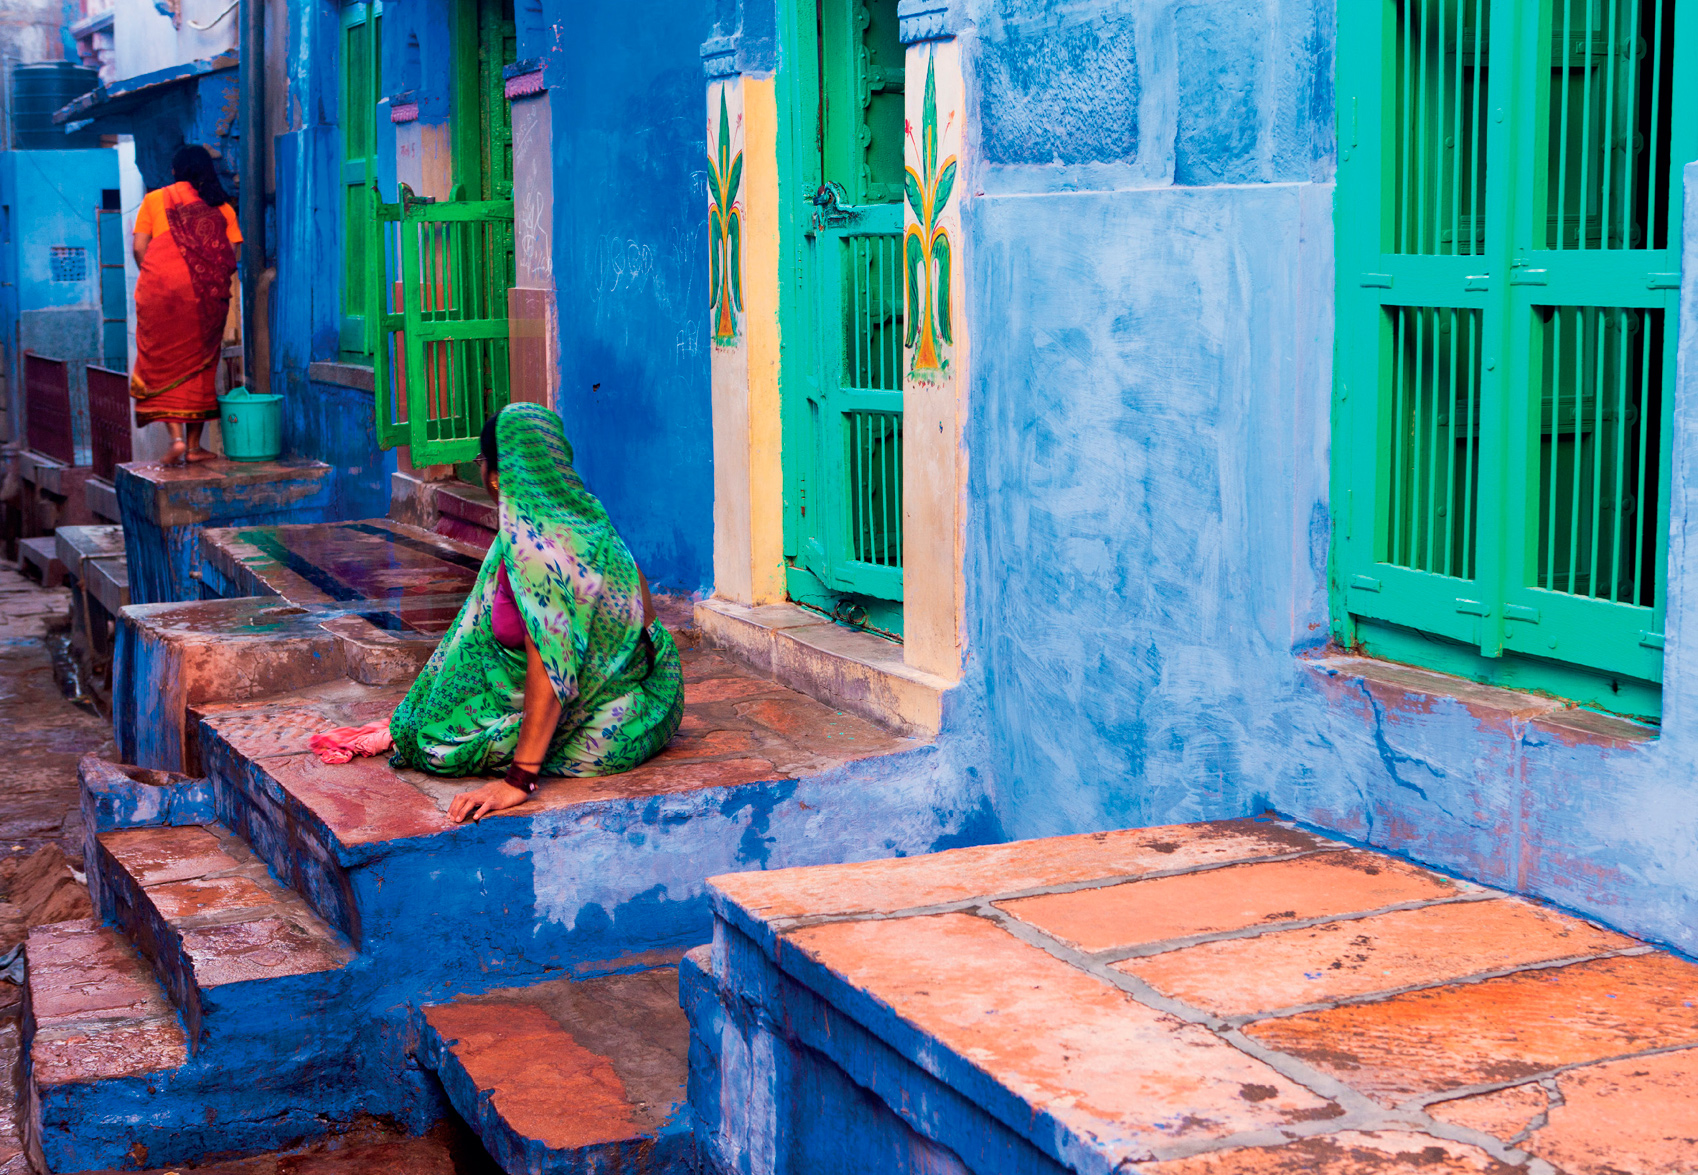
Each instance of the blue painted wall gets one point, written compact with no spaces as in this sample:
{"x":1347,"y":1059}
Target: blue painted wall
{"x":630,"y":265}
{"x":1150,"y":305}
{"x":324,"y":422}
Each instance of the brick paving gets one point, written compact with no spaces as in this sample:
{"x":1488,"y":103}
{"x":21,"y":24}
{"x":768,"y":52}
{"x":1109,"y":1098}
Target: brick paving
{"x":1246,"y":997}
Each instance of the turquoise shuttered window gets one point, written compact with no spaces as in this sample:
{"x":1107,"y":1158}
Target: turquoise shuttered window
{"x":1508,"y":216}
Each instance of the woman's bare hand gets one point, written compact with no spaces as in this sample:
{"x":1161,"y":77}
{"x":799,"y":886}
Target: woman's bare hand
{"x":494,"y":796}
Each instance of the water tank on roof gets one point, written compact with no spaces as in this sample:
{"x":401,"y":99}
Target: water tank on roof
{"x":40,"y":89}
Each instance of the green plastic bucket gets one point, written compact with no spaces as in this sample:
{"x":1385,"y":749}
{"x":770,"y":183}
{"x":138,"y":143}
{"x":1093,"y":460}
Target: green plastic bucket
{"x":251,"y":426}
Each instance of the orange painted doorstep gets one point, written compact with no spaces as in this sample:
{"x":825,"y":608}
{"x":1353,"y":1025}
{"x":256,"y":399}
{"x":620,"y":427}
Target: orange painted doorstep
{"x":1594,"y":1034}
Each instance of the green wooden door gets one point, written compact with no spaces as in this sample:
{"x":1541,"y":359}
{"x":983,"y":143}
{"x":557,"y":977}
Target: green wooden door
{"x":843,"y":470}
{"x":1507,"y":253}
{"x":361,"y":84}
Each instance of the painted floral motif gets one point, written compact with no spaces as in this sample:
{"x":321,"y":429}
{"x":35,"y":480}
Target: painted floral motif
{"x":725,"y":232}
{"x":925,"y":246}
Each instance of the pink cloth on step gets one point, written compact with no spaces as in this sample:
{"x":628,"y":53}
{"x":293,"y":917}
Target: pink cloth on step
{"x":345,"y":742}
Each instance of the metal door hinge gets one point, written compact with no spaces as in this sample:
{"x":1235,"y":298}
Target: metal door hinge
{"x":1376,"y":281}
{"x":1521,"y":612}
{"x":1651,"y":640}
{"x":1365,"y":583}
{"x":1662,"y":281}
{"x":1473,"y":607}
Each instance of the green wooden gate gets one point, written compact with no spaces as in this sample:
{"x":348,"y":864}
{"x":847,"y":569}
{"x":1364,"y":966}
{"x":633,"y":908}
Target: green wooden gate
{"x":1508,"y":252}
{"x":843,"y":384}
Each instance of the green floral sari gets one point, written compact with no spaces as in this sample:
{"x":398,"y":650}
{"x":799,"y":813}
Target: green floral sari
{"x":619,"y":684}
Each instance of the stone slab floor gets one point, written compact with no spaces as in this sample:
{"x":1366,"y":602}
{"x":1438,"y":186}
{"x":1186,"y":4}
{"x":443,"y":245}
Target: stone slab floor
{"x":1236,"y":998}
{"x":41,"y":839}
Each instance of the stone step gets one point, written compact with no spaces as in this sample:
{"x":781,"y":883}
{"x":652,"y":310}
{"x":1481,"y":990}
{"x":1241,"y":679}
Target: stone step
{"x":569,"y":1077}
{"x":98,"y":1033}
{"x":39,"y":557}
{"x":752,"y":763}
{"x":209,"y":917}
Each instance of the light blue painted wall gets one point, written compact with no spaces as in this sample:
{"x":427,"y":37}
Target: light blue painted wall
{"x":1148,"y":439}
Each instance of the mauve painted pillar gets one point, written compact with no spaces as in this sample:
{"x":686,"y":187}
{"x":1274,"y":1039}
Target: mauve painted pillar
{"x":532,"y":318}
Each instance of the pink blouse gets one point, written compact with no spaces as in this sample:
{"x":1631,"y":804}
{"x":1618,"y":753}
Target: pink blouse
{"x":505,"y":618}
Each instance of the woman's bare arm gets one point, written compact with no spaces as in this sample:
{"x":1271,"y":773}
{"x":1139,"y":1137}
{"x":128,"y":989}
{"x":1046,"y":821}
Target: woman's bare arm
{"x":139,"y":244}
{"x":536,"y":730}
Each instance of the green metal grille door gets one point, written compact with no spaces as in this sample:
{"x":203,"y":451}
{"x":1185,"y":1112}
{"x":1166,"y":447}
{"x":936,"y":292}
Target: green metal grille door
{"x":845,"y":491}
{"x":455,"y":259}
{"x":385,"y":297}
{"x":1508,"y":253}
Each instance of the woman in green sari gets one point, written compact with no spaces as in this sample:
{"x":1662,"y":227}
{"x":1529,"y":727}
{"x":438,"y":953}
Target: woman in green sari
{"x":555,"y":664}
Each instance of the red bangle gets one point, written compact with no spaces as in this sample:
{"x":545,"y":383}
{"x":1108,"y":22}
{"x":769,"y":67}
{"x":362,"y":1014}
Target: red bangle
{"x":525,"y":781}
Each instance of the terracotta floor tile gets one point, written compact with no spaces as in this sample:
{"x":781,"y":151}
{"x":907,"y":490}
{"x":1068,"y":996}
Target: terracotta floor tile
{"x":1503,"y":1113}
{"x":262,"y":949}
{"x":1445,"y":1038}
{"x":725,"y":689}
{"x":105,"y":1052}
{"x":80,"y":971}
{"x":1637,"y":1116}
{"x":1381,"y":953}
{"x":362,"y":802}
{"x":960,"y":874}
{"x":1383,"y":1152}
{"x":157,"y":855}
{"x":1065,"y":1041}
{"x":1141,"y":912}
{"x":177,"y":900}
{"x":533,"y":1068}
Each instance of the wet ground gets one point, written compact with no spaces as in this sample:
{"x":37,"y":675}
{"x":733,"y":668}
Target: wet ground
{"x":50,"y":724}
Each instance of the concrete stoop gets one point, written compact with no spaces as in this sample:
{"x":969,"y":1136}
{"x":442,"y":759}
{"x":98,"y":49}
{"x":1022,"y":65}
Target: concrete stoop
{"x":291,"y":946}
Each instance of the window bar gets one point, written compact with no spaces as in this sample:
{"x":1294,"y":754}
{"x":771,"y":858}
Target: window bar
{"x":1411,"y":423}
{"x":1394,"y":536}
{"x":864,"y":420}
{"x":1644,"y":433}
{"x":1418,"y":128}
{"x":1472,"y":456}
{"x":1612,"y":29}
{"x":1655,"y":182}
{"x":1588,"y":126}
{"x":1562,"y":75}
{"x":1617,"y":514}
{"x":1406,"y":130}
{"x":1634,"y":113}
{"x":1450,"y":453}
{"x":1453,"y":123}
{"x":1476,"y":180}
{"x":1581,"y":333}
{"x":1551,"y":412}
{"x":1600,"y":363}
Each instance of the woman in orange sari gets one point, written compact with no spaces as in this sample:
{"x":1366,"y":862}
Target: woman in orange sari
{"x":185,"y":243}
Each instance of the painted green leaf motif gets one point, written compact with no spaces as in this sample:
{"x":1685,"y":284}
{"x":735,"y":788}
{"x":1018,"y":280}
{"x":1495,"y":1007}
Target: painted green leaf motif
{"x":940,"y":255}
{"x":928,"y":117}
{"x":914,"y":258}
{"x":940,"y":198}
{"x":911,"y":185}
{"x":734,"y":231}
{"x":724,"y":135}
{"x":713,"y":257}
{"x":735,"y":182}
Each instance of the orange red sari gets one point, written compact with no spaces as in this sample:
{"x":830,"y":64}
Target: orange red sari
{"x":182,"y":301}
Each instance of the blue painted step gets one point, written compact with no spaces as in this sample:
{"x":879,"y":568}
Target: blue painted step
{"x":569,"y":1077}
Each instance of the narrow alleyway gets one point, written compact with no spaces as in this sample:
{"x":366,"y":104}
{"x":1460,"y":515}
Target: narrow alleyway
{"x":40,"y":829}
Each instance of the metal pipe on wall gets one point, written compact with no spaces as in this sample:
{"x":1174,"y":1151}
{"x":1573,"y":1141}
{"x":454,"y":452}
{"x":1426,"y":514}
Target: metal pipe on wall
{"x":253,"y":189}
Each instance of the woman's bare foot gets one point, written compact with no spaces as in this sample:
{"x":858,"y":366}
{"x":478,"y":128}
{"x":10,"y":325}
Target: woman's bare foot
{"x":198,"y":455}
{"x":177,"y":454}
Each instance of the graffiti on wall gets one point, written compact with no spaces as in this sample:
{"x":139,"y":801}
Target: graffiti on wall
{"x":927,"y":245}
{"x":725,"y":214}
